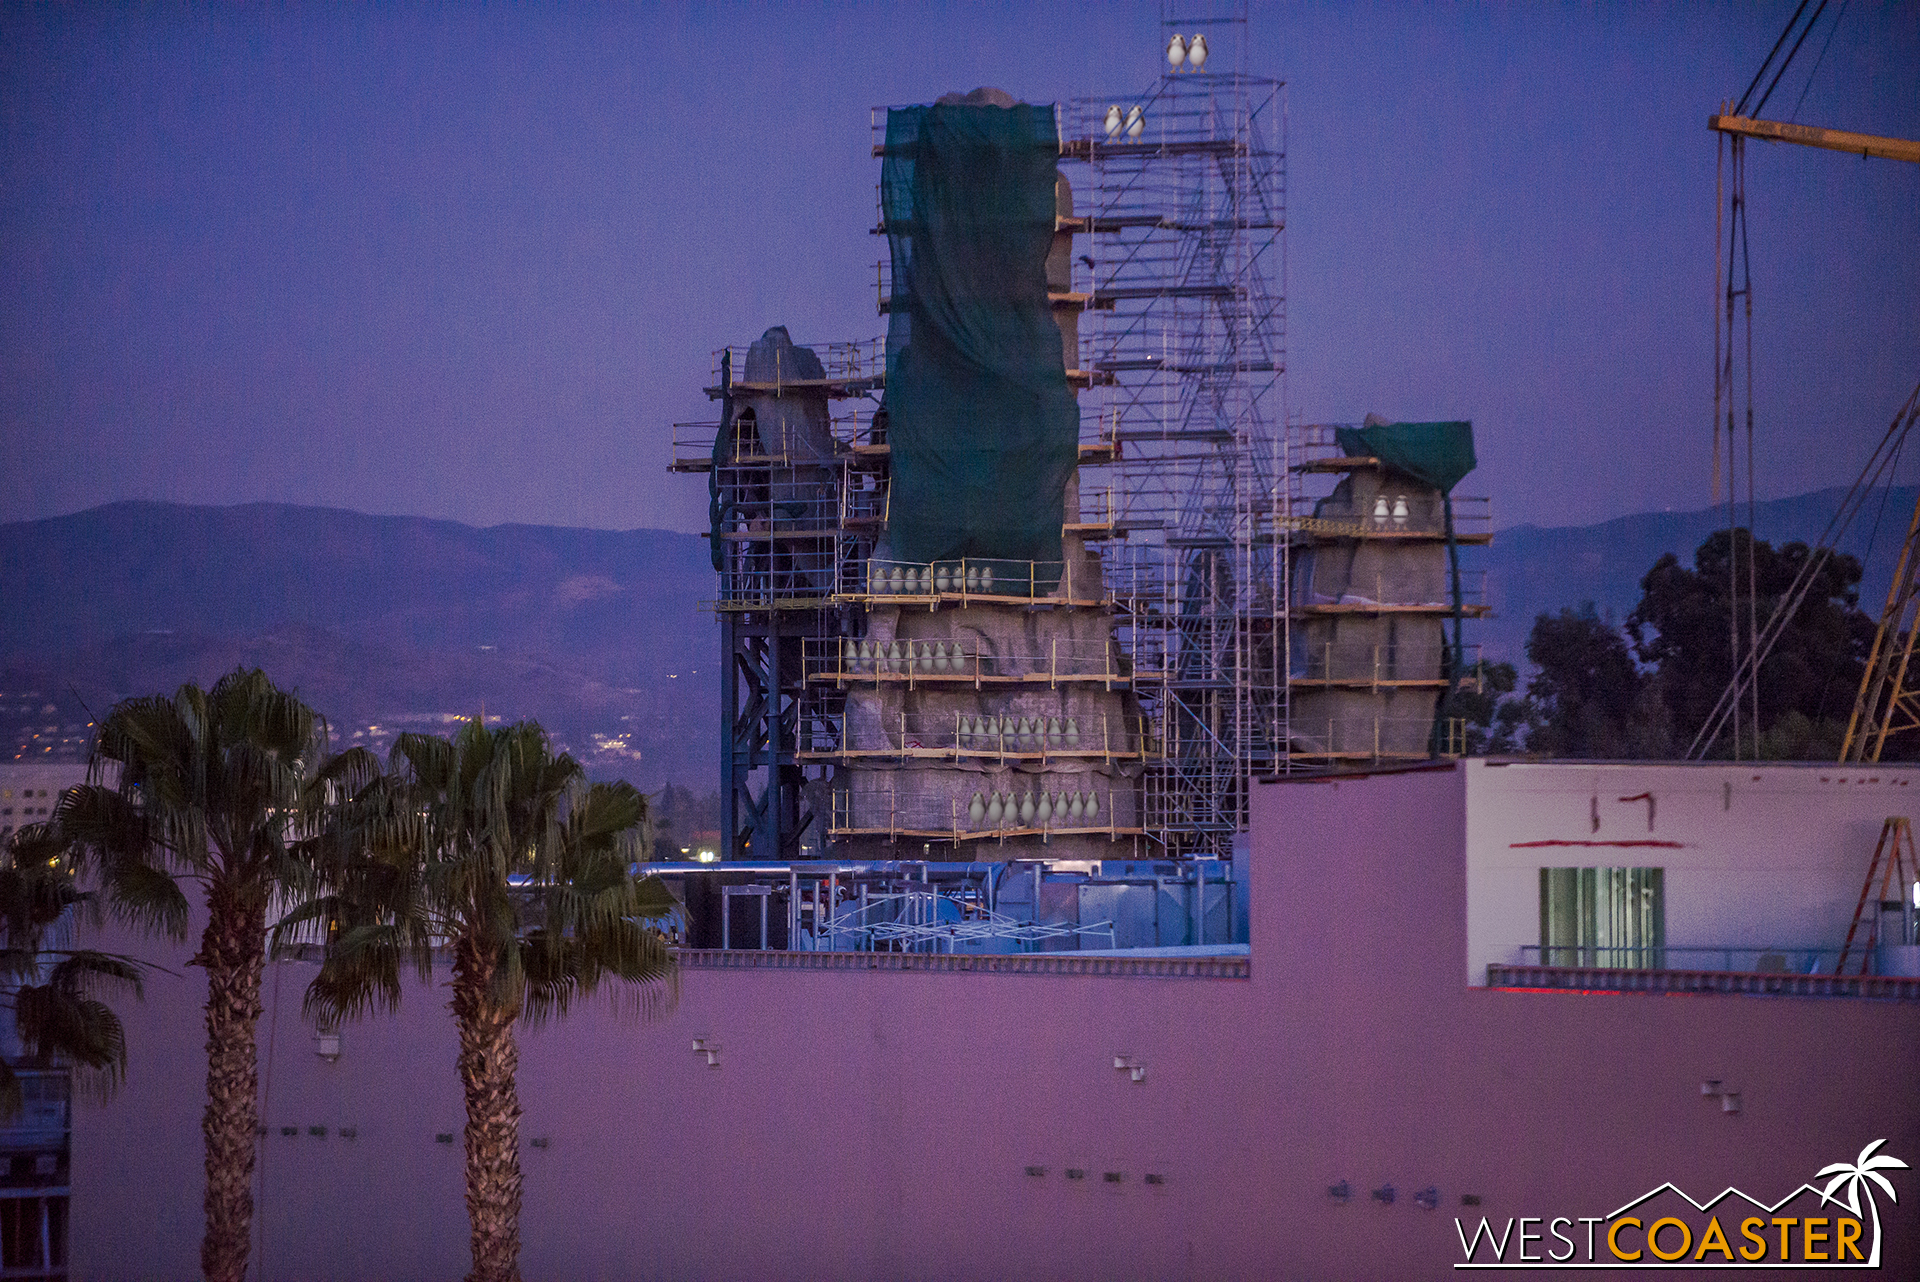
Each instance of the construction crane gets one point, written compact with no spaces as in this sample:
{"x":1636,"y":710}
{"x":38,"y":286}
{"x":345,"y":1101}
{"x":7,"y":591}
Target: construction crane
{"x":1888,"y":700}
{"x":1885,"y":702}
{"x":1832,"y":139}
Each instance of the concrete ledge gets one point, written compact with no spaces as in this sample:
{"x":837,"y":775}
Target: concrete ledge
{"x":1601,"y":980}
{"x":987,"y":963}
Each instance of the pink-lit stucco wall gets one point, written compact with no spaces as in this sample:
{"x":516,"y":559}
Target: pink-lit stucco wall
{"x":879,"y":1125}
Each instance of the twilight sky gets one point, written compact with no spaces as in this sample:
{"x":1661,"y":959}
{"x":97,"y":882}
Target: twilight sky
{"x":472,"y":263}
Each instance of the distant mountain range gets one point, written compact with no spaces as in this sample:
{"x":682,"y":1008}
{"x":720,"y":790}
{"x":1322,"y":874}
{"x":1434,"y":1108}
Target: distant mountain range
{"x":383,"y":623}
{"x":395,"y":623}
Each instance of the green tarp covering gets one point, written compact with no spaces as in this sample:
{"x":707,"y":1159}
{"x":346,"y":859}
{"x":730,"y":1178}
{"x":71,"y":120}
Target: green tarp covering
{"x":983,"y":426}
{"x":1438,"y":454}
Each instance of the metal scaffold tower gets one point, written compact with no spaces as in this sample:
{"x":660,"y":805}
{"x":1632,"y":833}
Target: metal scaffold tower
{"x":1183,"y":191}
{"x":1118,"y":700}
{"x":797,"y":495}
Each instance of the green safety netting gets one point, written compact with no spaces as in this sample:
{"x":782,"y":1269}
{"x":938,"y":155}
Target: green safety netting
{"x":983,"y":426}
{"x":1438,"y":454}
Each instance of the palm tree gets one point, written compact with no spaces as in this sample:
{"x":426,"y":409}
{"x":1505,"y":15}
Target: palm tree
{"x":54,"y":992}
{"x":1855,"y":1175}
{"x":489,"y":847}
{"x":213,"y":789}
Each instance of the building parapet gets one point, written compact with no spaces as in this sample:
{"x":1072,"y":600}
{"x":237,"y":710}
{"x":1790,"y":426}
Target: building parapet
{"x":1750,"y":983}
{"x":1224,"y":967}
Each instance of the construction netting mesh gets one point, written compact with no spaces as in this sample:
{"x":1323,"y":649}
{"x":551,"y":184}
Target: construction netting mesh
{"x":983,"y":426}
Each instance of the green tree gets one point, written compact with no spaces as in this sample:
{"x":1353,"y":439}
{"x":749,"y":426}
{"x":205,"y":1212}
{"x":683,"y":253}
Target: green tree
{"x":1589,"y":698}
{"x":1495,"y":719}
{"x":212,"y":789}
{"x":489,"y":846}
{"x":1810,"y":677}
{"x":55,"y":991}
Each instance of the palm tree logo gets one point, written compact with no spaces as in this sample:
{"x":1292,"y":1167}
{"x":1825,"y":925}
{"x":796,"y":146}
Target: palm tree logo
{"x":1855,"y":1176}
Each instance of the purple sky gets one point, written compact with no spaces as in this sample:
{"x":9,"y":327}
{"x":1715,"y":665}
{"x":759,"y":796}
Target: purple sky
{"x":472,"y":264}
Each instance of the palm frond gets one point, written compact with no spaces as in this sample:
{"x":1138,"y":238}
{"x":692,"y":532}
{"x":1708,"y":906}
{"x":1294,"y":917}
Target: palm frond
{"x":147,"y":897}
{"x":59,"y":1024}
{"x":489,"y":837}
{"x":360,"y":973}
{"x":88,"y":972}
{"x":653,"y":901}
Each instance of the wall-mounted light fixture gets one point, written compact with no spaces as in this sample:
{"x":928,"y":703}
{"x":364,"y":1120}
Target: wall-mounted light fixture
{"x":1132,"y":1067}
{"x":709,"y":1048}
{"x":1427,"y":1198}
{"x":326,"y":1044}
{"x":1340,"y":1192}
{"x":1384,"y":1194}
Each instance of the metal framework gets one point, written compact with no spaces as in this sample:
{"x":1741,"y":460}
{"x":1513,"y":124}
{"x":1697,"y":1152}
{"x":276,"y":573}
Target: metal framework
{"x":792,"y":533}
{"x":1185,"y":340}
{"x":1192,"y":487}
{"x":988,"y":907}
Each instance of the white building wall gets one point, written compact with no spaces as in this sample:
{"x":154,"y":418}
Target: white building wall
{"x":29,"y":790}
{"x":1766,"y":855}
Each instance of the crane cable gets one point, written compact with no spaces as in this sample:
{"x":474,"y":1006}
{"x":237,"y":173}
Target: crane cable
{"x":1879,"y":470}
{"x":1827,"y":44}
{"x":1738,"y":261}
{"x":1740,"y":109}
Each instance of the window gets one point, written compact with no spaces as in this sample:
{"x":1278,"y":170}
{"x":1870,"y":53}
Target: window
{"x":33,"y":1236}
{"x":1608,"y":917}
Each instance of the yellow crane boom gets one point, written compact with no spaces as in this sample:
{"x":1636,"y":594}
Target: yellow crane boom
{"x":1831,"y":139}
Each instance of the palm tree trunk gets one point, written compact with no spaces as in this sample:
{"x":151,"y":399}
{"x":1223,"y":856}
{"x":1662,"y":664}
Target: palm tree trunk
{"x":233,"y":953}
{"x":489,"y":1061}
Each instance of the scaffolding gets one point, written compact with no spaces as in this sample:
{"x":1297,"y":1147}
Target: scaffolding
{"x":1184,"y":336}
{"x":792,"y":528}
{"x":1193,"y":500}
